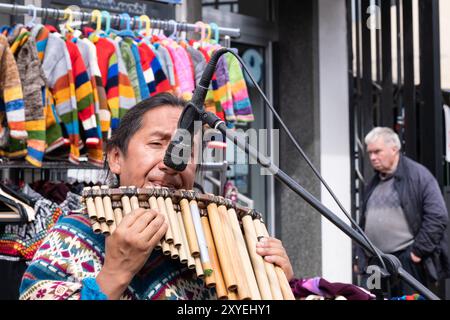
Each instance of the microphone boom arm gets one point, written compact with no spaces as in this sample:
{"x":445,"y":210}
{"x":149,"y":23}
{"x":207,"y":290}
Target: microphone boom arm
{"x":213,"y":121}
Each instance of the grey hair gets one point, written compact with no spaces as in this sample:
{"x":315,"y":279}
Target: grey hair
{"x":389,"y":136}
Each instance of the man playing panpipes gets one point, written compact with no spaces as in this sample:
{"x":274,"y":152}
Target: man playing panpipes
{"x":75,"y":263}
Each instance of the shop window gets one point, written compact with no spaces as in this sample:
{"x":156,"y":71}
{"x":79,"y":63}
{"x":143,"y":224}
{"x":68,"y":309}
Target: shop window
{"x":261,"y":9}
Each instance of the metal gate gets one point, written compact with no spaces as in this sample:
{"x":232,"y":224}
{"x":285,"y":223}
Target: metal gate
{"x":395,"y":81}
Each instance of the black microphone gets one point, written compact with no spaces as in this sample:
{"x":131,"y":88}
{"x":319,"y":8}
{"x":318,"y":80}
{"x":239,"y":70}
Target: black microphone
{"x":178,"y":152}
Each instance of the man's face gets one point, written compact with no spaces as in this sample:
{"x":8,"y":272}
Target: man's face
{"x":382,"y":156}
{"x":143,"y":165}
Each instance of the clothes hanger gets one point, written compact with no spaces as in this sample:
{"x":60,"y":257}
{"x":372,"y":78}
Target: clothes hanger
{"x":77,"y":33}
{"x":68,"y":25}
{"x":137,"y":26}
{"x":96,"y":17}
{"x":105,"y":14}
{"x":31,"y":23}
{"x":209,"y":30}
{"x":18,"y":206}
{"x":127,"y":32}
{"x":200,"y":24}
{"x":183,"y":31}
{"x":215,"y":27}
{"x":173,"y":36}
{"x":10,"y":211}
{"x":146,"y":20}
{"x":16,"y":194}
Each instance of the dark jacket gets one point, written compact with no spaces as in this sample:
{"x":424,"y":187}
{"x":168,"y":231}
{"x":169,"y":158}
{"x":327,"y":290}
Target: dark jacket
{"x":426,"y":213}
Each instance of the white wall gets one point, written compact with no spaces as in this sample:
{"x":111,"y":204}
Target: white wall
{"x":334,"y":136}
{"x":444,"y":19}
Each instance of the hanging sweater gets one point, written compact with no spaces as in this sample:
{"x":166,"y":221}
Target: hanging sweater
{"x":84,"y":95}
{"x":103,"y":112}
{"x":211,"y":104}
{"x":58,"y":71}
{"x":89,"y":55}
{"x":33,"y":84}
{"x":143,"y":88}
{"x":11,"y":95}
{"x":241,"y":101}
{"x":159,"y":57}
{"x":130,"y":64}
{"x":183,"y":69}
{"x":107,"y":62}
{"x":53,"y":133}
{"x":154,"y":75}
{"x":71,"y":252}
{"x":167,"y":62}
{"x":223,"y":93}
{"x":198,"y":61}
{"x":127,"y":99}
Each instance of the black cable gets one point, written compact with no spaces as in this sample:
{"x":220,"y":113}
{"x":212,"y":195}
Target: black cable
{"x":305,"y":157}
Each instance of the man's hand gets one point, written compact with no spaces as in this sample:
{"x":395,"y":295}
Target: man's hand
{"x":273,"y":251}
{"x":128,"y":248}
{"x":415,"y":258}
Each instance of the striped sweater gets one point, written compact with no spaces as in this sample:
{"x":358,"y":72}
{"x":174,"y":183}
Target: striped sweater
{"x":103,"y":112}
{"x":155,"y":77}
{"x":167,"y":63}
{"x":54,"y":136}
{"x":127,"y":98}
{"x":71,"y":252}
{"x":84,"y":95}
{"x":145,"y":93}
{"x":11,"y":95}
{"x":58,"y":71}
{"x":130,"y":64}
{"x":109,"y":69}
{"x":33,"y":86}
{"x":223,"y":92}
{"x":210,"y":100}
{"x":241,"y":101}
{"x":89,"y":55}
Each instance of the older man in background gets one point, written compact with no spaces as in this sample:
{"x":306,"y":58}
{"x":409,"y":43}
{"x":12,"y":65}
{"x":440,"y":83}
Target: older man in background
{"x":403,"y":212}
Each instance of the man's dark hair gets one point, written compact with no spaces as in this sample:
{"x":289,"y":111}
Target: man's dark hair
{"x":132,"y":120}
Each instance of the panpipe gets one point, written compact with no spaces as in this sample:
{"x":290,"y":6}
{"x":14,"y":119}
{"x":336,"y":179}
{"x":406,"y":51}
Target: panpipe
{"x":208,"y":233}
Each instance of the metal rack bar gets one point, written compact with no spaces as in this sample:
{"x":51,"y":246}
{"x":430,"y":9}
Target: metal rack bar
{"x":13,"y":9}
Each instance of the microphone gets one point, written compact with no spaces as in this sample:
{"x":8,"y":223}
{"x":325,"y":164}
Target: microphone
{"x":178,"y":152}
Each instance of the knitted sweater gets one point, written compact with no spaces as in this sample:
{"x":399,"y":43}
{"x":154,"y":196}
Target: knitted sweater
{"x":183,"y":69}
{"x":223,"y":92}
{"x":58,"y":71}
{"x":102,"y":110}
{"x":140,"y":71}
{"x":241,"y":101}
{"x":127,"y":98}
{"x":89,"y":55}
{"x":71,"y":252}
{"x":32,"y":78}
{"x":167,"y":62}
{"x":198,"y":61}
{"x":130,"y":64}
{"x":11,"y":95}
{"x":154,"y":75}
{"x":107,"y":62}
{"x":53,"y":133}
{"x":84,"y":95}
{"x":159,"y":57}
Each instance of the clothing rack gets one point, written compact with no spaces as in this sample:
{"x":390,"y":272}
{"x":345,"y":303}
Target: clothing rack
{"x":58,"y":14}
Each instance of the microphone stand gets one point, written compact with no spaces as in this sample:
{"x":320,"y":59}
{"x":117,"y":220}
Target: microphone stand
{"x":393,"y":264}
